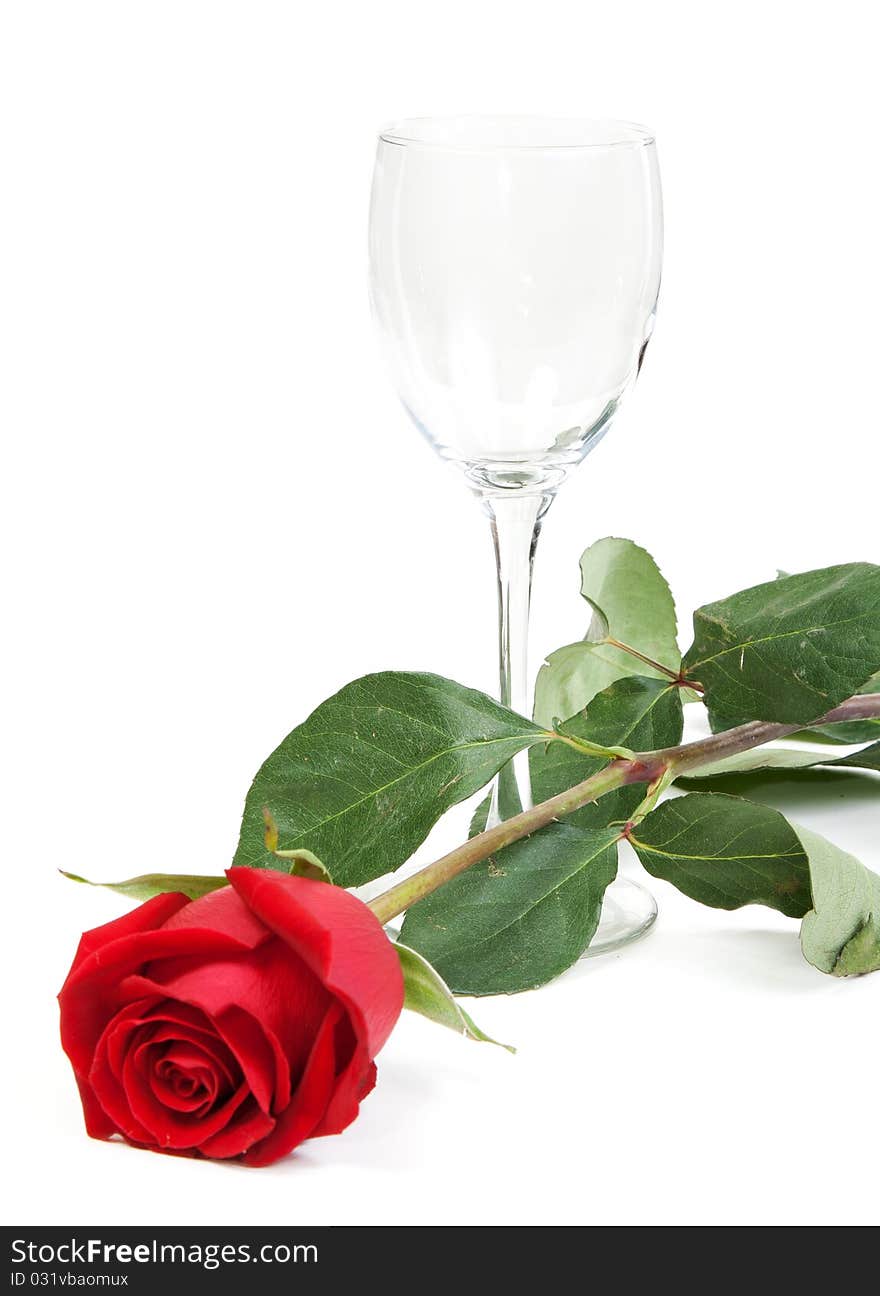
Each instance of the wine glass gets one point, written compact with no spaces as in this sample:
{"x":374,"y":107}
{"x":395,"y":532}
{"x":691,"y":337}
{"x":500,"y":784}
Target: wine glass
{"x":514,"y":273}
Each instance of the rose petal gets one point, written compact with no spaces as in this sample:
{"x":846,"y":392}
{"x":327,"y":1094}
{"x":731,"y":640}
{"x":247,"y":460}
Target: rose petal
{"x":183,"y":1076}
{"x":249,"y":1125}
{"x":94,"y":992}
{"x":147,"y":917}
{"x":171,"y":1129}
{"x":340,"y":940}
{"x":221,"y":911}
{"x":255,"y":1047}
{"x":99,"y":1124}
{"x":260,"y":1056}
{"x":356,"y":1076}
{"x":308,"y":1103}
{"x":172,"y":1026}
{"x":165,"y":1127}
{"x":105,"y":1078}
{"x":271,"y":983}
{"x":158,"y":1024}
{"x":184,"y":1093}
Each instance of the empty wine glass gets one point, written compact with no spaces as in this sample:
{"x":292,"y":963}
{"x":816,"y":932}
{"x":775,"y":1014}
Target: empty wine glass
{"x":515,"y":266}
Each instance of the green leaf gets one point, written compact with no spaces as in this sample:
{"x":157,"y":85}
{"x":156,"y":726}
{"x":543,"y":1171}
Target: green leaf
{"x":846,"y":732}
{"x":152,"y":884}
{"x":427,"y":993}
{"x":792,"y":759}
{"x":788,"y":650}
{"x":841,"y":934}
{"x":866,"y":759}
{"x":788,"y":790}
{"x":759,"y":758}
{"x":726,"y":852}
{"x":364,"y":779}
{"x":520,"y":918}
{"x":636,"y":712}
{"x":631,"y":602}
{"x":630,"y":599}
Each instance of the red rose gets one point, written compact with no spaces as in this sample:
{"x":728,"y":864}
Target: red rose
{"x":236,"y":1025}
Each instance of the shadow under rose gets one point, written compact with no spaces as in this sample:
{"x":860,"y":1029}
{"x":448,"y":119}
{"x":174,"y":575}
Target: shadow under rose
{"x":379,"y":1137}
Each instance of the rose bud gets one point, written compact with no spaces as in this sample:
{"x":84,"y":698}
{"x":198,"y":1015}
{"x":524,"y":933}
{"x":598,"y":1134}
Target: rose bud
{"x":236,"y":1025}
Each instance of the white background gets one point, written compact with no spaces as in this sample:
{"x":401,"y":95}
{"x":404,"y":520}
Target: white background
{"x":215,"y":514}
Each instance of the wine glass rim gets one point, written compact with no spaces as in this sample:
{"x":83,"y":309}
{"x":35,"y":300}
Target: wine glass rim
{"x":470,"y":133}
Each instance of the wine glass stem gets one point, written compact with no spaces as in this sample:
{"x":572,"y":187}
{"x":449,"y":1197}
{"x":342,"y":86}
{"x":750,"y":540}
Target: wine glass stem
{"x":516,"y":524}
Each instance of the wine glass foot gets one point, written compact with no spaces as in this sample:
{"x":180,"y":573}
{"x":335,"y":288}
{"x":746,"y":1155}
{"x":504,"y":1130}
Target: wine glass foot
{"x":628,"y":913}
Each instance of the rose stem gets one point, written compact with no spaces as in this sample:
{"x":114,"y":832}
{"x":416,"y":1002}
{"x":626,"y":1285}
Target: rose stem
{"x":644,"y":767}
